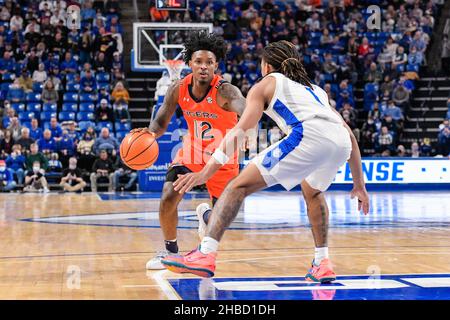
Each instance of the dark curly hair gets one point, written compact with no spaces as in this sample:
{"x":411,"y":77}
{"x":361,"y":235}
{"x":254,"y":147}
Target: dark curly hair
{"x":202,"y":40}
{"x":284,"y":58}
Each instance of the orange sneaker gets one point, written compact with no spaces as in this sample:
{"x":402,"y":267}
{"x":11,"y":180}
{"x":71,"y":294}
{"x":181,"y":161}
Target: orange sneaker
{"x":322,"y":273}
{"x":195,"y":262}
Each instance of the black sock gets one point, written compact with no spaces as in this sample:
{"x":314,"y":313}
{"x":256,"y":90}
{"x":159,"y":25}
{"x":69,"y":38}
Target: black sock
{"x":171,"y":246}
{"x":206,"y":215}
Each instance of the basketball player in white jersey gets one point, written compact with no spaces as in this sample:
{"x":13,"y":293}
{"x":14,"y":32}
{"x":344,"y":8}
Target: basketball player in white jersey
{"x":317,"y":144}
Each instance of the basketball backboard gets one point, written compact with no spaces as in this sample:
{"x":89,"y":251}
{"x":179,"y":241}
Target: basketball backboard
{"x":155,"y":42}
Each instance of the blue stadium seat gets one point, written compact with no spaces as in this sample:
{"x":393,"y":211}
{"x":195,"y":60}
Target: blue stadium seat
{"x":37,"y":87}
{"x":70,"y":97}
{"x":85,"y":116}
{"x":19,"y":107}
{"x":104,"y":124}
{"x":70,"y":77}
{"x":26,"y":124}
{"x":66,"y":116}
{"x":9,"y":77}
{"x":120,"y":126}
{"x":87,"y":107}
{"x":88,"y":97}
{"x":72,"y":87}
{"x":46,"y":116}
{"x":103,"y":77}
{"x":102,"y":85}
{"x":84,"y":125}
{"x":33,"y":97}
{"x":49,"y":107}
{"x":70,"y":107}
{"x":34,"y":107}
{"x":120,"y":135}
{"x":26,"y":116}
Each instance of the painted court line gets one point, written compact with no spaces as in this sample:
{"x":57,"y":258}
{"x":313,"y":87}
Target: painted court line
{"x":165,"y":286}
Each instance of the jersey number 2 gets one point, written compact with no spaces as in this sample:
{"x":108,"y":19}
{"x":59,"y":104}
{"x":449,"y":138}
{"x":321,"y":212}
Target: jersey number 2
{"x":203,"y":129}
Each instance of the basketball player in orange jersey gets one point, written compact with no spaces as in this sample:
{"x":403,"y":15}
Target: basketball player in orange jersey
{"x":210,"y":106}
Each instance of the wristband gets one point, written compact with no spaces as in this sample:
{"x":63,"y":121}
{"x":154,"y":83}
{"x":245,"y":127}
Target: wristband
{"x":220,"y":156}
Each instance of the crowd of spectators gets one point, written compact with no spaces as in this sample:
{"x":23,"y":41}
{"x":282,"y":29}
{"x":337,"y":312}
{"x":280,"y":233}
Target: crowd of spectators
{"x":338,"y":50}
{"x":63,"y":96}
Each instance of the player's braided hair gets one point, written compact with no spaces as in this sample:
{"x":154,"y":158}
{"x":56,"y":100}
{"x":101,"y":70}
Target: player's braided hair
{"x":202,"y":40}
{"x":284,"y":57}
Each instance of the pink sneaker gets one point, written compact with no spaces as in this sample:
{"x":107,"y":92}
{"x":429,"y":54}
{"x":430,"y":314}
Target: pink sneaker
{"x":194,"y":262}
{"x":323,"y":273}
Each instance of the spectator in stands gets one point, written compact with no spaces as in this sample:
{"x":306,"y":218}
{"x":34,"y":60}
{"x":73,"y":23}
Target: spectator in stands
{"x":40,"y":75}
{"x":102,"y":167}
{"x":49,"y":93}
{"x":387,"y":85}
{"x":443,"y":145}
{"x":6,"y":144}
{"x":55,"y":129}
{"x":344,"y":97}
{"x":85,"y":45}
{"x":15,"y":93}
{"x":103,"y":94}
{"x":87,"y":12}
{"x":415,"y":57}
{"x":120,"y":92}
{"x":15,"y":128}
{"x":415,"y":150}
{"x":385,"y":140}
{"x":117,"y":60}
{"x":25,"y":81}
{"x":106,"y":142}
{"x":8,"y":114}
{"x":66,"y":147}
{"x":47,"y":144}
{"x":7,"y":63}
{"x":373,"y":74}
{"x":72,"y":179}
{"x":85,"y":151}
{"x":368,"y":132}
{"x":69,"y":65}
{"x":123,"y":171}
{"x":35,"y":179}
{"x":54,"y":165}
{"x":400,"y":58}
{"x":445,"y":55}
{"x":88,"y":84}
{"x":16,"y":163}
{"x":393,"y":111}
{"x":35,"y":155}
{"x":100,"y":64}
{"x":104,"y":113}
{"x":7,"y":182}
{"x":32,"y":61}
{"x":25,"y":141}
{"x":73,"y":133}
{"x":54,"y":77}
{"x":121,"y":113}
{"x":401,"y":151}
{"x":35,"y":131}
{"x":158,"y":15}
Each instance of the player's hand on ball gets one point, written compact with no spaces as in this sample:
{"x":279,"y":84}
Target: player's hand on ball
{"x":186,"y":182}
{"x":142,"y":130}
{"x":363,"y":198}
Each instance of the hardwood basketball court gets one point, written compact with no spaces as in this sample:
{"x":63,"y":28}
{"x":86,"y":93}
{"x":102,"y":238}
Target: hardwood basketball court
{"x":89,"y":246}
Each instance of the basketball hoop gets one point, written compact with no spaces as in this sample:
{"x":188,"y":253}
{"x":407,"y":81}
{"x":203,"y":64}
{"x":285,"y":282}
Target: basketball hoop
{"x":174,"y":67}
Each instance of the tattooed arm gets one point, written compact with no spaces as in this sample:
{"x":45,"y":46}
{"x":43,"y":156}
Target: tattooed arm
{"x":162,"y":119}
{"x":230,"y":98}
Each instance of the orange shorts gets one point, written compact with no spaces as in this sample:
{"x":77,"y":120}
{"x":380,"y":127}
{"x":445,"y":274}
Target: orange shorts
{"x":217,"y":183}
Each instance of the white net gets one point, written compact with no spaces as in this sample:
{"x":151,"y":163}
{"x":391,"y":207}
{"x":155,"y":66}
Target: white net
{"x":174,"y":67}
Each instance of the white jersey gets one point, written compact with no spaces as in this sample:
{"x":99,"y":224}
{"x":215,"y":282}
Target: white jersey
{"x":316,"y":145}
{"x":293,"y":102}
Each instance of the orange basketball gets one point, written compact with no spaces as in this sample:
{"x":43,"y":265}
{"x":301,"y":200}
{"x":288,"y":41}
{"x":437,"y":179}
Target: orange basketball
{"x":139,"y":150}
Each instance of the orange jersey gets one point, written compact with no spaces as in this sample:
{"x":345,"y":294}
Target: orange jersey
{"x":208,"y":124}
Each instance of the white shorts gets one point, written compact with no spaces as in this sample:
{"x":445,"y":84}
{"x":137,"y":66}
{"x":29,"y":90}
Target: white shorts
{"x":313,"y":151}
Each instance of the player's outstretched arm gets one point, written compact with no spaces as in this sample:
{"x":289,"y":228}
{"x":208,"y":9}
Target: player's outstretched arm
{"x":256,"y":100}
{"x":359,"y":186}
{"x":162,"y":119}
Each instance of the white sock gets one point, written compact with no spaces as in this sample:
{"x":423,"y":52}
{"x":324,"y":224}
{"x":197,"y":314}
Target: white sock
{"x":209,"y":245}
{"x":320,"y":254}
